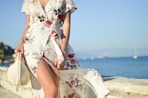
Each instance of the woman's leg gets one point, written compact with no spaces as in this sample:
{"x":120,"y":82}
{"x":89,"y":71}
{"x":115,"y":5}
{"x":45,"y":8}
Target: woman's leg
{"x":47,"y":79}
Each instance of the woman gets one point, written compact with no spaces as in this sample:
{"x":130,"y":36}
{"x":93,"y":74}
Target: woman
{"x":47,"y":53}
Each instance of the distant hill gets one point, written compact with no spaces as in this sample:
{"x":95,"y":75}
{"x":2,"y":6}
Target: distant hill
{"x":8,"y":51}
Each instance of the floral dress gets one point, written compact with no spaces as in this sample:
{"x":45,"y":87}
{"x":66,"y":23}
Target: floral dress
{"x":43,"y":40}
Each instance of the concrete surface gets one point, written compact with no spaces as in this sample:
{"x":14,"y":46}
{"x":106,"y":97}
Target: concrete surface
{"x":121,"y":87}
{"x":4,"y":93}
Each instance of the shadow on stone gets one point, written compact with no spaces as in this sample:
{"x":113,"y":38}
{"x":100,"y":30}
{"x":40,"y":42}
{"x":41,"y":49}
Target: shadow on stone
{"x":107,"y":78}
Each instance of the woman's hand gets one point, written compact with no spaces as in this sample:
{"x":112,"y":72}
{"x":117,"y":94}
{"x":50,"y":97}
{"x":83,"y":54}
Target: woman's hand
{"x":20,"y":48}
{"x":59,"y":65}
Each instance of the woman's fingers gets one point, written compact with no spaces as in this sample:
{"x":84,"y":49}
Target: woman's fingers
{"x":58,"y":65}
{"x":22,"y":51}
{"x":62,"y":65}
{"x":19,"y":50}
{"x":55,"y":62}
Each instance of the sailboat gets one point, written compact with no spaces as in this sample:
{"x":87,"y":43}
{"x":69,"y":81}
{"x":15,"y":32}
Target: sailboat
{"x":92,"y":58}
{"x":135,"y":54}
{"x":135,"y":57}
{"x":84,"y":58}
{"x":103,"y":56}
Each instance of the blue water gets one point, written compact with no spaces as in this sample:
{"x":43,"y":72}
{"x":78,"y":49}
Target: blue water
{"x":125,"y":67}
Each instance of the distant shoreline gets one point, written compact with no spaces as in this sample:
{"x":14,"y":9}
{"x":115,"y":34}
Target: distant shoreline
{"x":89,"y":58}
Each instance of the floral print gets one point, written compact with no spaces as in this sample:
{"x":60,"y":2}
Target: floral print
{"x":70,"y":96}
{"x":71,"y":62}
{"x":43,"y":40}
{"x":41,"y":18}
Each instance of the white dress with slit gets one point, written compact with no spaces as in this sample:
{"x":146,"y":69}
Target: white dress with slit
{"x":43,"y":40}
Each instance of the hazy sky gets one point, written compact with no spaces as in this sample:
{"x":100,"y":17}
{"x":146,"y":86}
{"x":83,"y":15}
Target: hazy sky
{"x":113,"y":27}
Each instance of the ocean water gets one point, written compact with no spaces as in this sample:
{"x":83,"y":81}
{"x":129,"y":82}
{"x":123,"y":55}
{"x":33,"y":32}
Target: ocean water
{"x":125,"y":66}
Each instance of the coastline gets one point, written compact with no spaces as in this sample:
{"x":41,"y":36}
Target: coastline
{"x":120,"y":87}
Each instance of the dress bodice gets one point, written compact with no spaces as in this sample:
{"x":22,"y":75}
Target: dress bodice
{"x":53,"y":11}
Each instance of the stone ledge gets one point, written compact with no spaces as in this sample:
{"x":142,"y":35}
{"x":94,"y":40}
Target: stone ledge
{"x":23,"y":91}
{"x":122,"y":87}
{"x":121,"y":94}
{"x":4,"y":93}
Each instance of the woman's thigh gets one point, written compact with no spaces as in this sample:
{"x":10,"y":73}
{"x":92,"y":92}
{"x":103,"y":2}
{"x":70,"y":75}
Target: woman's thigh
{"x":47,"y":77}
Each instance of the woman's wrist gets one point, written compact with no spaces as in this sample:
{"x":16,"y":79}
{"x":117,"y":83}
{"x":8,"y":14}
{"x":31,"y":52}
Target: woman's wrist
{"x":64,"y":53}
{"x":21,"y":42}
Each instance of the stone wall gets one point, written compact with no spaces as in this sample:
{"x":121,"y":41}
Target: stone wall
{"x":119,"y":87}
{"x":25,"y":91}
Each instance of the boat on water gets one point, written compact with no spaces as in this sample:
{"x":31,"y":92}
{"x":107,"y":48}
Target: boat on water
{"x":135,"y":54}
{"x":103,"y":56}
{"x":135,"y":57}
{"x":92,"y":58}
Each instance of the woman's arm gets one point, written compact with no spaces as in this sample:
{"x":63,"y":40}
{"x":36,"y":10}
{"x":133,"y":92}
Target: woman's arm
{"x":66,"y":32}
{"x":65,"y":39}
{"x":26,"y":27}
{"x":20,"y":46}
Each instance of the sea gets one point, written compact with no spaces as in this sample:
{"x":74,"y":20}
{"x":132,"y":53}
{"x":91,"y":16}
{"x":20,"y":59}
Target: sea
{"x":120,"y":66}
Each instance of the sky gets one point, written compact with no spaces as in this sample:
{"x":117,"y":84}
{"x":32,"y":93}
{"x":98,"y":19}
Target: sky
{"x":112,"y":27}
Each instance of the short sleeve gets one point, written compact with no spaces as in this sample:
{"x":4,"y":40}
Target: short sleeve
{"x":70,"y":6}
{"x":25,"y":7}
